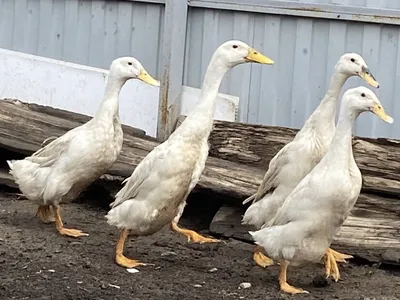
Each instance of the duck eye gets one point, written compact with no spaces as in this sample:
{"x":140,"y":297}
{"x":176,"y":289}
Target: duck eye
{"x":129,"y":63}
{"x":234,"y":46}
{"x":352,"y":60}
{"x":362,"y":95}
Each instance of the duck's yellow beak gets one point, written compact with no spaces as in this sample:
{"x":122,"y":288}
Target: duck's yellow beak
{"x":380,"y":112}
{"x":145,"y":77}
{"x":257,"y":57}
{"x":368,"y":77}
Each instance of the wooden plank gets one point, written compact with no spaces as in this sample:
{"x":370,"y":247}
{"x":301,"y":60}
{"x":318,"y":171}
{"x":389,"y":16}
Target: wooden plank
{"x":372,"y":229}
{"x":255,"y":145}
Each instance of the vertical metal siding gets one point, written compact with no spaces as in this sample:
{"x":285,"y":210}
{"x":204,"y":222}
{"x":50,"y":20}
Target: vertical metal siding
{"x":86,"y":32}
{"x":305,"y":51}
{"x":388,"y":4}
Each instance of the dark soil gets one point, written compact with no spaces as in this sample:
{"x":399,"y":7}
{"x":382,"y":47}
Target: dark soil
{"x":37,"y":263}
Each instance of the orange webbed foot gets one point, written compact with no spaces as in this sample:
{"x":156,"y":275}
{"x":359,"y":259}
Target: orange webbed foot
{"x":123,"y":261}
{"x":192,"y":235}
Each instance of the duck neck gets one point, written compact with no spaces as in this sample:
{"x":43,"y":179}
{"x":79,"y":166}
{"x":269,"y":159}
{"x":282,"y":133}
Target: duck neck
{"x":212,"y":80}
{"x":341,"y":148}
{"x":326,"y":110}
{"x":202,"y":115}
{"x":110,"y":105}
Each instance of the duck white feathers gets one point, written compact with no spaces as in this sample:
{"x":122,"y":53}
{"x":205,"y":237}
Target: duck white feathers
{"x":155,"y":194}
{"x":60,"y":171}
{"x":296,"y":159}
{"x":304,"y":226}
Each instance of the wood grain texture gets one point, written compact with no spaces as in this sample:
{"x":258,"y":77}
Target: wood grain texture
{"x":24,"y":127}
{"x":238,"y":158}
{"x":255,"y":145}
{"x":372,"y":229}
{"x":7,"y":179}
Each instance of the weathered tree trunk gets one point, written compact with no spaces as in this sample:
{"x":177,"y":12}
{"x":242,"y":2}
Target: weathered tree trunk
{"x":24,"y":127}
{"x":372,"y":229}
{"x":239,"y":153}
{"x":256,"y":145}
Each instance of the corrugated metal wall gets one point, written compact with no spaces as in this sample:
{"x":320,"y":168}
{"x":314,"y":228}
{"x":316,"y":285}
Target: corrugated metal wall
{"x":86,"y":32}
{"x":305,"y":50}
{"x":389,"y":4}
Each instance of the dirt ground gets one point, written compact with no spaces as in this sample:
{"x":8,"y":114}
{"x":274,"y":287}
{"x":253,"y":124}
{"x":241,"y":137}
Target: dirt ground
{"x":37,"y":263}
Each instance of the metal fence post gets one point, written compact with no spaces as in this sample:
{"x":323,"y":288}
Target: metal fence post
{"x":173,"y":51}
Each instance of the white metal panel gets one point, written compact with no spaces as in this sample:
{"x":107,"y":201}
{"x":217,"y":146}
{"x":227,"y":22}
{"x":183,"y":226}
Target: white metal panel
{"x":80,"y":88}
{"x":225,"y":108}
{"x":74,"y":87}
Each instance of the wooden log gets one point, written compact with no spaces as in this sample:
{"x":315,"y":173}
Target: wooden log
{"x":372,"y":229}
{"x":22,"y":130}
{"x":255,"y":145}
{"x":7,"y":179}
{"x":25,"y":126}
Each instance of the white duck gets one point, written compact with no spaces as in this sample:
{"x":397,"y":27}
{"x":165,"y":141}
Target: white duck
{"x":155,"y":194}
{"x":304,"y":226}
{"x":294,"y":161}
{"x":61,"y":170}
